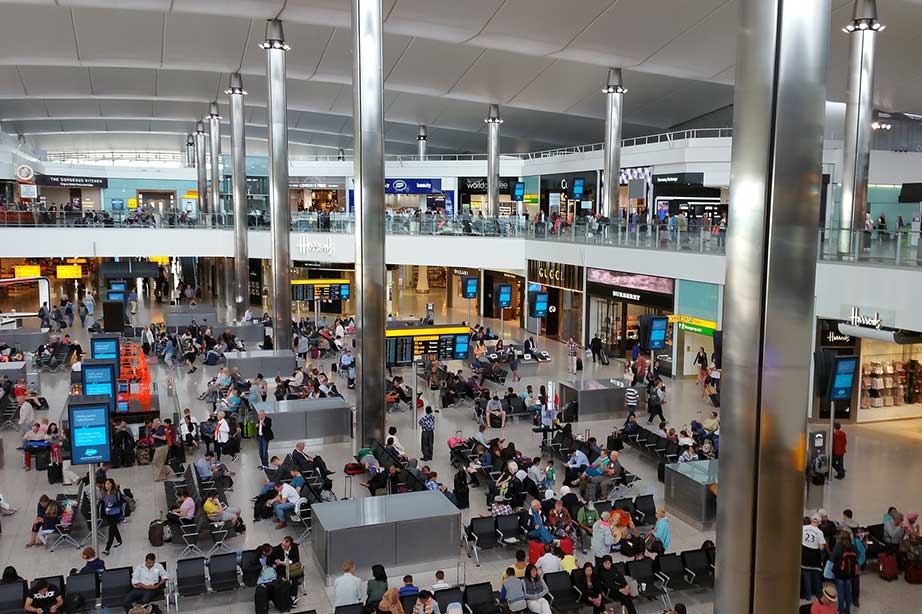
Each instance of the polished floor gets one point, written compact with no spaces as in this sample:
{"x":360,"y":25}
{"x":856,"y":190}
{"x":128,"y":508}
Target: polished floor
{"x":882,"y":463}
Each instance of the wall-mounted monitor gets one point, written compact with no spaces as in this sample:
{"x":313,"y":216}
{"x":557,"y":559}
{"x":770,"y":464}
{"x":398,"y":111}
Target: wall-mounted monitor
{"x":470,"y":286}
{"x":504,"y":296}
{"x":118,"y":286}
{"x":115,"y":296}
{"x":88,"y":419}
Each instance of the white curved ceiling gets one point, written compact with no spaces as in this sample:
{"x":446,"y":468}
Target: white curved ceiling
{"x":135,"y":74}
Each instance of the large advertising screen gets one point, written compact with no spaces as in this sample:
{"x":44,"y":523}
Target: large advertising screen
{"x":89,"y":429}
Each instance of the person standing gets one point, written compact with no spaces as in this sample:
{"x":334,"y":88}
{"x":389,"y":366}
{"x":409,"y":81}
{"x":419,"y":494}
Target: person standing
{"x":812,"y":548}
{"x":112,"y":512}
{"x":839,"y":444}
{"x":161,"y":450}
{"x":572,"y":355}
{"x":221,"y":435}
{"x":656,"y":400}
{"x":427,"y":433}
{"x":263,"y":436}
{"x":595,"y":346}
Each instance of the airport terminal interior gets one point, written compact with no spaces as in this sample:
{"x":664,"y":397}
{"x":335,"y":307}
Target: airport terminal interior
{"x":336,"y":306}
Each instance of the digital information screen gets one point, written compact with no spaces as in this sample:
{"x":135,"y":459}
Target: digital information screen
{"x":843,"y":378}
{"x":118,"y":286}
{"x":404,"y":347}
{"x":324,"y":289}
{"x":658,"y":328}
{"x":504,"y":296}
{"x":104,"y":348}
{"x":518,"y":193}
{"x":99,"y":380}
{"x":578,"y":184}
{"x":469,"y":287}
{"x":539,"y":304}
{"x":89,"y":431}
{"x":115,"y":296}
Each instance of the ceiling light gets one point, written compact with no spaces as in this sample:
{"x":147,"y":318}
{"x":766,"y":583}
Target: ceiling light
{"x":863,"y":25}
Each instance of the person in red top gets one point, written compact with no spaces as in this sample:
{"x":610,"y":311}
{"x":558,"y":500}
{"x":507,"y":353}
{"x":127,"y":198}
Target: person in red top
{"x":839,"y":443}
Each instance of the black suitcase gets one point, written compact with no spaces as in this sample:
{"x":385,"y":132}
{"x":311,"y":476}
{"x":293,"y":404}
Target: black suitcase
{"x":579,"y":363}
{"x":661,"y":472}
{"x":42,"y":459}
{"x":55,"y":473}
{"x":333,"y":368}
{"x":261,"y":598}
{"x":603,"y":358}
{"x":281,"y":595}
{"x":155,"y":533}
{"x":614,"y":443}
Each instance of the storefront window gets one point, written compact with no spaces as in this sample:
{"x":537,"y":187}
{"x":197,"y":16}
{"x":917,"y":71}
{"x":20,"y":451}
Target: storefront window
{"x":891,"y":381}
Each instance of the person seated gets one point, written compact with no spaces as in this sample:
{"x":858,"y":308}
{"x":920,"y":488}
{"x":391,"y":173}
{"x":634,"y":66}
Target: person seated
{"x":560,"y":522}
{"x":43,"y":598}
{"x":494,"y":409}
{"x":615,"y":585}
{"x":408,"y":589}
{"x":146,"y":580}
{"x":91,"y":563}
{"x":185,"y":511}
{"x":218,"y":512}
{"x":630,"y":426}
{"x":402,"y":393}
{"x":284,"y":501}
{"x":209,"y":470}
{"x":661,"y":430}
{"x":447,"y":396}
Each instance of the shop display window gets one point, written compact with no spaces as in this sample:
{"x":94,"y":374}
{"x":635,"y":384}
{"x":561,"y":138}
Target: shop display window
{"x":891,"y":381}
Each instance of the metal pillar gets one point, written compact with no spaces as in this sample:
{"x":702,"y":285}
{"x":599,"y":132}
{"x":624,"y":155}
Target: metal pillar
{"x":190,"y":150}
{"x":779,"y":110}
{"x":421,"y":138}
{"x":239,"y":195}
{"x":859,"y":110}
{"x":200,"y":155}
{"x":371,"y":297}
{"x":493,"y":122}
{"x":279,"y":209}
{"x":611,"y":174}
{"x":214,"y":133}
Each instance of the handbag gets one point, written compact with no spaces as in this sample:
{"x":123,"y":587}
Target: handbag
{"x":295,"y":570}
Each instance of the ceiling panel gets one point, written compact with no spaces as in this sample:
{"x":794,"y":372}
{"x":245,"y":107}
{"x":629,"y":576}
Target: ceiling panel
{"x":128,"y":125}
{"x":31,"y":126}
{"x":308,"y":43}
{"x":188,"y":84}
{"x":204,"y":41}
{"x":414,"y":109}
{"x":256,"y":9}
{"x":462,"y":115}
{"x":431,"y":67}
{"x":55,"y":80}
{"x":102,"y":33}
{"x":446,"y":20}
{"x":258,"y":116}
{"x":498,"y":76}
{"x":141,"y":82}
{"x":343,"y":104}
{"x":83,"y":125}
{"x":706,"y":49}
{"x":10,"y":83}
{"x":19,"y":109}
{"x":321,"y":122}
{"x":632,"y":30}
{"x":312,"y":95}
{"x":561,"y":86}
{"x":329,"y":12}
{"x":538,"y":27}
{"x":169,"y":109}
{"x":169,"y":126}
{"x":529,"y":124}
{"x":31,"y":34}
{"x":126,"y":108}
{"x":696,"y":98}
{"x":336,"y":65}
{"x":75,"y":107}
{"x":138,"y":5}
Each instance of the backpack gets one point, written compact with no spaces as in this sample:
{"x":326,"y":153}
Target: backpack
{"x":847,"y":567}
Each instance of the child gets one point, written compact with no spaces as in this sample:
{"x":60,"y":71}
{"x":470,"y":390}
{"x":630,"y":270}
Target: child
{"x":550,"y":476}
{"x":408,"y":589}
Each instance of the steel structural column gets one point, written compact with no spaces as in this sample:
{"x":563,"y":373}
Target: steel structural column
{"x":239,"y":195}
{"x":779,"y":112}
{"x":611,"y":173}
{"x":279,"y":209}
{"x":201,"y":170}
{"x":190,"y":150}
{"x":859,"y":112}
{"x":421,"y":138}
{"x":214,"y":134}
{"x":493,"y":122}
{"x":368,"y":131}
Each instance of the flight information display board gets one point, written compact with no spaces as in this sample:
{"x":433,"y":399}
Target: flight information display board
{"x":98,"y":379}
{"x":504,"y":296}
{"x":405,"y":346}
{"x":88,"y":419}
{"x":323,"y":289}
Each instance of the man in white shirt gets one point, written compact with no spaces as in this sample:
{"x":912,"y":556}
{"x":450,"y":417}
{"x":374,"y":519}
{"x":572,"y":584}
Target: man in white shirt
{"x":146,"y":579}
{"x":548,"y":562}
{"x":392,"y":434}
{"x":812,"y":544}
{"x":440,"y":582}
{"x":285,"y":500}
{"x":348,"y":589}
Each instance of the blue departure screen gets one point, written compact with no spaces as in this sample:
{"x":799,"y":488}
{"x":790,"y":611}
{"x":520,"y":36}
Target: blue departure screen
{"x":519,"y":192}
{"x":658,"y":328}
{"x":89,"y":428}
{"x":578,"y":184}
{"x":115,"y":296}
{"x":462,"y":347}
{"x":504,"y":296}
{"x":469,"y":287}
{"x":843,"y":378}
{"x":98,"y":379}
{"x":118,"y":286}
{"x":539,"y":305}
{"x":104,"y":348}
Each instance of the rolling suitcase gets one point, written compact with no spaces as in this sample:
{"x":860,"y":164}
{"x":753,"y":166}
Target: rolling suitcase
{"x":55,"y":473}
{"x":281,"y":595}
{"x":603,"y":357}
{"x":614,"y":443}
{"x":888,"y":568}
{"x":42,"y":459}
{"x":155,"y":533}
{"x":912,"y":573}
{"x":261,"y":598}
{"x":579,"y":363}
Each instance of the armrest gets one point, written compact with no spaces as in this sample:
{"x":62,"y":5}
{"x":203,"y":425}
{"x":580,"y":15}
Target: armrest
{"x":663,"y":577}
{"x":579,"y":593}
{"x":641,"y":514}
{"x":691,"y":573}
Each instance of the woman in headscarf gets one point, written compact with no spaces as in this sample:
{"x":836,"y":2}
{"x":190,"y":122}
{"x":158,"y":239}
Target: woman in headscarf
{"x":390,"y":603}
{"x":910,"y":523}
